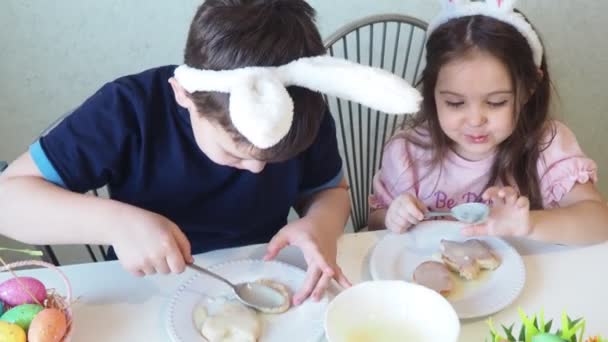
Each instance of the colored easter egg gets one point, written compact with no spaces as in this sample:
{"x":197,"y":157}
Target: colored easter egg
{"x":1,"y":308}
{"x":547,"y":338}
{"x":12,"y":291}
{"x":10,"y":332}
{"x":49,"y":325}
{"x":22,"y":315}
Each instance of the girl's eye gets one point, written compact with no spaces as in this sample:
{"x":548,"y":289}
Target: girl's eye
{"x":454,"y":104}
{"x":497,"y":104}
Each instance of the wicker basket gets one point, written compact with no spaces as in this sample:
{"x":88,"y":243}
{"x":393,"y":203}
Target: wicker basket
{"x":63,"y":303}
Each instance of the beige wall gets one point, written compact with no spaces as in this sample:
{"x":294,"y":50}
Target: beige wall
{"x":55,"y":53}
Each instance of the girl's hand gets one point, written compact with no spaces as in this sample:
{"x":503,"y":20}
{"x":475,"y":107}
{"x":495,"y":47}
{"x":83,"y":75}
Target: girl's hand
{"x":319,"y":251}
{"x":153,"y":244}
{"x":509,"y":216}
{"x":404,"y":212}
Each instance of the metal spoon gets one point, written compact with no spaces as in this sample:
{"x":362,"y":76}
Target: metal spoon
{"x":467,"y":212}
{"x":255,"y":295}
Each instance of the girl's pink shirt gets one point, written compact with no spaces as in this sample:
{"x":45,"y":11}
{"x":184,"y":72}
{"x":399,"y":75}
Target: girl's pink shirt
{"x":561,"y":165}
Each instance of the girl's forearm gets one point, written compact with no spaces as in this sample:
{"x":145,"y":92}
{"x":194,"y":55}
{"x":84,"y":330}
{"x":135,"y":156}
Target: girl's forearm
{"x":376,"y":219}
{"x":585,"y":222}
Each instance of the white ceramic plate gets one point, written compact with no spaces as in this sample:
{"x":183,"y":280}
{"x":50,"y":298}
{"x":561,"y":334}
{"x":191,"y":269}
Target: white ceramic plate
{"x":304,"y":322}
{"x":396,"y":257}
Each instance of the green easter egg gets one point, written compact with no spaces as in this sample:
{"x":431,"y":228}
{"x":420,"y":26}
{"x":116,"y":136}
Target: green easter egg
{"x":545,"y":337}
{"x":22,"y":315}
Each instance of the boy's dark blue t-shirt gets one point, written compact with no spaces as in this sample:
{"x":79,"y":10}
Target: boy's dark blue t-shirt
{"x":134,"y":137}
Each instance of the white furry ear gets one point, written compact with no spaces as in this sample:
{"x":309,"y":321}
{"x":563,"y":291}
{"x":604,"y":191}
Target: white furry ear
{"x":503,"y":5}
{"x":261,"y":108}
{"x":372,"y":87}
{"x":453,"y":3}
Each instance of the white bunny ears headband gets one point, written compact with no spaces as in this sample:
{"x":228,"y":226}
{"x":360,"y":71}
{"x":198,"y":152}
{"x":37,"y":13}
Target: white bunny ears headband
{"x":262,"y":110}
{"x":502,"y":10}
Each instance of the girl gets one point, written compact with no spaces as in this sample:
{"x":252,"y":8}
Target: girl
{"x":484,"y":134}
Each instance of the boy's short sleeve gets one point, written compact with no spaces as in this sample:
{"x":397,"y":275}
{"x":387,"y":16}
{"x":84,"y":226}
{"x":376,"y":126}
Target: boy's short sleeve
{"x":322,"y":165}
{"x":90,"y":147}
{"x":563,"y":164}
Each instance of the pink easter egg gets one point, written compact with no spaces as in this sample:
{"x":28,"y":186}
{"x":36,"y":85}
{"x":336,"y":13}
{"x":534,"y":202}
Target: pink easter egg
{"x":12,"y":291}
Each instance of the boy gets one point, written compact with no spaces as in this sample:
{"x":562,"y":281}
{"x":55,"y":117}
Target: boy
{"x":183,"y":175}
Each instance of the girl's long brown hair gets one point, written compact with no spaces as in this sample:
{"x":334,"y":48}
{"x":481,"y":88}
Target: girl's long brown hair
{"x":517,"y":157}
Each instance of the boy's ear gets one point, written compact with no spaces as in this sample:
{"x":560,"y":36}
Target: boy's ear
{"x":181,"y":95}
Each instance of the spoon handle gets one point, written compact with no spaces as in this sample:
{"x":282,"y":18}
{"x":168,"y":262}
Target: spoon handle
{"x":437,"y":213}
{"x":209,"y":273}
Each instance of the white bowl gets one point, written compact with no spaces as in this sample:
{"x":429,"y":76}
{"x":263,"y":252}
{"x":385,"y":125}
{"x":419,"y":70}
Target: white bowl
{"x":389,"y":311}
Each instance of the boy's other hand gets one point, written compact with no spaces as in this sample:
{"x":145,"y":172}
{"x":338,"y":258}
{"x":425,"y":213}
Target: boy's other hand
{"x":319,"y":251}
{"x":152,"y":245}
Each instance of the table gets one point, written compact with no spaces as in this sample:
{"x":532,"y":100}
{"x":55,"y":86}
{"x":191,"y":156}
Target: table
{"x":112,"y":305}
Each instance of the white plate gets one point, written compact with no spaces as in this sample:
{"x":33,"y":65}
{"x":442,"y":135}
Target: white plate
{"x":396,"y":257}
{"x":303,"y":320}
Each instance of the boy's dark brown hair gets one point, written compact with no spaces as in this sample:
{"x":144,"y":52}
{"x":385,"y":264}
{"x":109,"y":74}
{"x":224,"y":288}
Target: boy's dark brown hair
{"x":517,"y":156}
{"x":230,"y":34}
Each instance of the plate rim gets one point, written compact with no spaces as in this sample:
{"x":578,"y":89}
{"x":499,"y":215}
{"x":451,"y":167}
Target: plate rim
{"x":176,"y":296}
{"x":519,"y":284}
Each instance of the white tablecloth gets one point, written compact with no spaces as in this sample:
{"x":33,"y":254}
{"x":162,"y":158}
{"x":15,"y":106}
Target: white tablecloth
{"x":115,"y":306}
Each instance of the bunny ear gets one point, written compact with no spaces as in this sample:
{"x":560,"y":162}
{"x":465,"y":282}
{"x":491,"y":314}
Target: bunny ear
{"x":372,"y":87}
{"x":262,"y":110}
{"x":453,"y":3}
{"x":503,"y":5}
{"x":445,"y":3}
{"x":260,"y":106}
{"x":509,"y":4}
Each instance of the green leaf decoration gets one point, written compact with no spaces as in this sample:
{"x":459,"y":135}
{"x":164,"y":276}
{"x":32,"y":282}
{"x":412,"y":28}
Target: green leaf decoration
{"x":529,"y":325}
{"x":541,"y":322}
{"x":548,"y":326}
{"x":30,"y":252}
{"x":509,"y":332}
{"x":534,"y":328}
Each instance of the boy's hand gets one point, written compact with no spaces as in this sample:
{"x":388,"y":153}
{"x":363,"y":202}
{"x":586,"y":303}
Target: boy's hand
{"x":510,"y":214}
{"x":152,"y":245}
{"x":404,"y":212}
{"x":319,"y":251}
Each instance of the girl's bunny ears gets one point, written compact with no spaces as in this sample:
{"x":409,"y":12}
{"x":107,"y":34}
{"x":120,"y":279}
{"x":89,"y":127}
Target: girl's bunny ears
{"x":502,"y":10}
{"x":262,"y":110}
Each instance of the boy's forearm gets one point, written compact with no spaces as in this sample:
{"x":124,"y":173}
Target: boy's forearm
{"x":37,"y":212}
{"x":582,"y":223}
{"x":331,"y":207}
